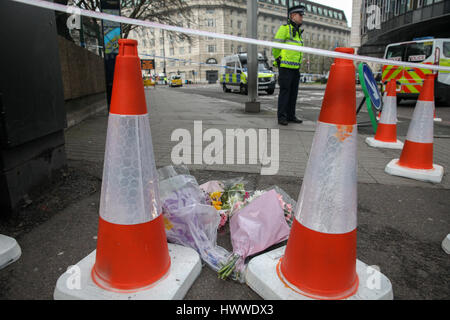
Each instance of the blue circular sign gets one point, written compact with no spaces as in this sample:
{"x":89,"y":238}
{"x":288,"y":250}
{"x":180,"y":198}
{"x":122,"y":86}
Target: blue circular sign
{"x":372,"y":87}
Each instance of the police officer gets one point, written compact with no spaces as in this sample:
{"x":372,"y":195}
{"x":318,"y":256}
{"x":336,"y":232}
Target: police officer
{"x":288,"y":63}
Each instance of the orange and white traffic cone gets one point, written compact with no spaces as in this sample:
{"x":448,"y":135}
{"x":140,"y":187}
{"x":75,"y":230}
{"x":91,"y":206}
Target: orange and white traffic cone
{"x":319,"y":261}
{"x":386,"y":135}
{"x":320,"y":257}
{"x":132,"y":252}
{"x":416,"y":159}
{"x":434,"y":116}
{"x":132,"y":247}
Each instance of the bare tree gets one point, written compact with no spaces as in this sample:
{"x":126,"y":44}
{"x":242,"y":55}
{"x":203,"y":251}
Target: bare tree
{"x":173,"y":12}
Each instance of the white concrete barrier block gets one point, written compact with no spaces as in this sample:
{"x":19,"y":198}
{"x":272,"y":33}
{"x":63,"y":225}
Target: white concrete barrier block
{"x":381,"y":144}
{"x":76,"y":283}
{"x":262,"y":277}
{"x":446,"y":244}
{"x":10,"y":251}
{"x":428,"y":175}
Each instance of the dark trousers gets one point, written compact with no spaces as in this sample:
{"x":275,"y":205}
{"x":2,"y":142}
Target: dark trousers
{"x":288,"y":80}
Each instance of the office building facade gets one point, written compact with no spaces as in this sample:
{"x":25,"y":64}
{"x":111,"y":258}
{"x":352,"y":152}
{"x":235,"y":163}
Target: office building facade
{"x":199,"y":59}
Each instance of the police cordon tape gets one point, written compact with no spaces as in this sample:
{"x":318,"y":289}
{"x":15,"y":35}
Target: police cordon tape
{"x":148,"y":24}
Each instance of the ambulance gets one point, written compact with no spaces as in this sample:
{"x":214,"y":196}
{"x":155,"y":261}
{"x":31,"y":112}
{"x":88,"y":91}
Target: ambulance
{"x":410,"y":80}
{"x":234,"y":74}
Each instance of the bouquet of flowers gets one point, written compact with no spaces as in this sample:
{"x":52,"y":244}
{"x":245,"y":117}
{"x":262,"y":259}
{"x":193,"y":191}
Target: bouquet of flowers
{"x":226,"y":196}
{"x":286,"y":202}
{"x":255,"y":227}
{"x":189,"y":218}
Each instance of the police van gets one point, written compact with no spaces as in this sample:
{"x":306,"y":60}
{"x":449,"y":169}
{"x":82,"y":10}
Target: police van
{"x":234,"y":74}
{"x":410,"y":80}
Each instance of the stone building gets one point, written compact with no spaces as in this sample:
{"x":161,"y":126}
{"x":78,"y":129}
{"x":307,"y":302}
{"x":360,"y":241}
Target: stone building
{"x":199,"y":60}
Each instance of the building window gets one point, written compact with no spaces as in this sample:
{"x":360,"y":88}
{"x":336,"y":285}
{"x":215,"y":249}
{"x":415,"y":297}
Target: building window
{"x":172,"y":51}
{"x":211,"y":22}
{"x":211,"y":48}
{"x":181,"y":50}
{"x":239,"y":24}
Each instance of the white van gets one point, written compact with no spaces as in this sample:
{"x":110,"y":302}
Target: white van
{"x":234,"y":74}
{"x":410,"y":80}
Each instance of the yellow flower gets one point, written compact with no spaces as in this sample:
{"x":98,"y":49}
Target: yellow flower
{"x":215,"y":196}
{"x":217,"y":204}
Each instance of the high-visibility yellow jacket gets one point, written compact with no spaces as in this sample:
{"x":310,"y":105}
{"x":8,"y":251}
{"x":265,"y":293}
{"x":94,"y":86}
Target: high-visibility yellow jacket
{"x":288,"y":58}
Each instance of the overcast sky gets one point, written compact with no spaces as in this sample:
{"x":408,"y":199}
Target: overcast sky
{"x":345,"y":5}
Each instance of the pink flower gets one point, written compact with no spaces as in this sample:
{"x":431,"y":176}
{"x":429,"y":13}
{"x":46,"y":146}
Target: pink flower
{"x":289,"y":207}
{"x":247,"y":195}
{"x":237,"y":205}
{"x":223,"y":220}
{"x":280,"y":198}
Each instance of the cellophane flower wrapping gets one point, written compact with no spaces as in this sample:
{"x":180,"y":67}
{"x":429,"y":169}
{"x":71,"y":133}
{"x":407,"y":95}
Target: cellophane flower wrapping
{"x":287,"y":203}
{"x":188,"y":217}
{"x":256,"y":227}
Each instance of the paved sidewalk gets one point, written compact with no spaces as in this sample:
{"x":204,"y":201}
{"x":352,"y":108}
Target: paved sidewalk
{"x":401,"y":222}
{"x":170,"y":110}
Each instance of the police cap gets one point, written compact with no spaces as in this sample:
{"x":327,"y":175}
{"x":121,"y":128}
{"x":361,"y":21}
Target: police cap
{"x":297,"y":9}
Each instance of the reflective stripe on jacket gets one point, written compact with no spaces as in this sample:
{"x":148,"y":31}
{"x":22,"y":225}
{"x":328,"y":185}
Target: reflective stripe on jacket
{"x":288,"y":58}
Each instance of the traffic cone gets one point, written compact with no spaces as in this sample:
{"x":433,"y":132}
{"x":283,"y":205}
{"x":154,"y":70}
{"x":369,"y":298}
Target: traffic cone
{"x":446,"y":244}
{"x":416,"y":159}
{"x":132,"y":247}
{"x":10,"y":251}
{"x":319,"y":260}
{"x":434,"y":116}
{"x":386,"y":135}
{"x":132,"y":252}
